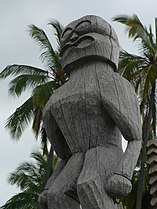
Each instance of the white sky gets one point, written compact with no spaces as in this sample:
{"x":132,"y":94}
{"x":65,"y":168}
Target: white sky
{"x":16,"y":47}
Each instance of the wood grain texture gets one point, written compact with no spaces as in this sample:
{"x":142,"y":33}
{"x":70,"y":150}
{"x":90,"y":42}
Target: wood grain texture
{"x":86,"y":118}
{"x":88,"y":38}
{"x":152,"y":165}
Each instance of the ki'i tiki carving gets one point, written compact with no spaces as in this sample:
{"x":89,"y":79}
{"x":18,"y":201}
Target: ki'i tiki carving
{"x":152,"y":163}
{"x":85,"y":118}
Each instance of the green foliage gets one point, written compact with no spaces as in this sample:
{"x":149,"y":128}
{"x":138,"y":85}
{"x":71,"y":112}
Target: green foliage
{"x":141,"y":71}
{"x":49,"y":56}
{"x":137,"y":31}
{"x":58,"y":31}
{"x":41,"y":83}
{"x":130,"y":200}
{"x":29,"y":178}
{"x":22,"y":116}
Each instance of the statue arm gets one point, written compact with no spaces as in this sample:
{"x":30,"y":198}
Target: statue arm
{"x":121,"y":104}
{"x":130,"y":127}
{"x":55,"y":136}
{"x":119,"y":184}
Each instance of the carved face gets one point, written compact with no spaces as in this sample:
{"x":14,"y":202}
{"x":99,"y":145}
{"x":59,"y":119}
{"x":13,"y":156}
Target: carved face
{"x":88,"y":38}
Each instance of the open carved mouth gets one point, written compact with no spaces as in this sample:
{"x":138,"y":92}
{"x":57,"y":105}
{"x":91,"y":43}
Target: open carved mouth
{"x":82,"y":42}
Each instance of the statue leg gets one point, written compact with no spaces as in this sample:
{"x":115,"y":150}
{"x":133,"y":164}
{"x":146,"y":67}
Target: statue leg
{"x":62,"y":193}
{"x":98,"y":167}
{"x":42,"y":199}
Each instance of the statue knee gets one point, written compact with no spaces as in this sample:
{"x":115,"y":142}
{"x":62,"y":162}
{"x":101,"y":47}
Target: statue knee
{"x":85,"y":186}
{"x":91,"y":194}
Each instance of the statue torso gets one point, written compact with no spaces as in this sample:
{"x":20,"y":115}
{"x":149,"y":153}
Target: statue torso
{"x":78,"y":111}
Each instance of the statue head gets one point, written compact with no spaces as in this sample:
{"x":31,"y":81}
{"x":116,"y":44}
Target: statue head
{"x":89,"y":38}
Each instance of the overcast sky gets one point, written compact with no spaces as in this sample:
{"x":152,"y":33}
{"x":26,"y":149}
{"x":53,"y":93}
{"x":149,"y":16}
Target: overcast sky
{"x":16,"y":47}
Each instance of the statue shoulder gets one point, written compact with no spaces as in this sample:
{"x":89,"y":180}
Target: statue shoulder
{"x":120,"y":101}
{"x":116,"y":88}
{"x":55,"y":97}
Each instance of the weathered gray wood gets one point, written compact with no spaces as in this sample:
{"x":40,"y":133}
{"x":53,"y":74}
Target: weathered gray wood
{"x":90,"y":37}
{"x":85,"y":118}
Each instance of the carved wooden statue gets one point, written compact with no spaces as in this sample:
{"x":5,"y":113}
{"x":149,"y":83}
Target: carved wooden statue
{"x":84,"y":120}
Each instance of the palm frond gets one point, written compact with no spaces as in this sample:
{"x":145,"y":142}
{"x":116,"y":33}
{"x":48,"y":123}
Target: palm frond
{"x":151,"y":37}
{"x":134,"y":26}
{"x":41,"y":82}
{"x":58,"y":30}
{"x":22,"y":116}
{"x":42,"y":93}
{"x":24,"y":82}
{"x":28,"y":174}
{"x":29,"y":177}
{"x":126,"y":57}
{"x":23,"y":200}
{"x":49,"y":56}
{"x":136,"y":30}
{"x":150,"y":75}
{"x":22,"y":180}
{"x":40,"y":96}
{"x":137,"y":85}
{"x":40,"y":159}
{"x":130,"y":65}
{"x":14,"y":70}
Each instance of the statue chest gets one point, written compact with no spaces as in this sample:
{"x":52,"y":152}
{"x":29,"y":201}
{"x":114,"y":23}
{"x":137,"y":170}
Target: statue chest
{"x":76,"y":97}
{"x":76,"y":110}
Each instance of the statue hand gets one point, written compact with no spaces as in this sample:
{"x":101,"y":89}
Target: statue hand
{"x":42,"y":199}
{"x":118,"y":186}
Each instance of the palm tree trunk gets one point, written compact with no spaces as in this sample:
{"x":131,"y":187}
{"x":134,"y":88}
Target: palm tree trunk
{"x":145,"y":135}
{"x":49,"y":163}
{"x":145,"y":128}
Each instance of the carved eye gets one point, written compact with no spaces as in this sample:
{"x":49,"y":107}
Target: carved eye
{"x":83,"y":27}
{"x":66,"y":34}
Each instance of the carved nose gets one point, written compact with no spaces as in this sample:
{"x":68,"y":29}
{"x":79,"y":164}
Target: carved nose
{"x":74,"y":36}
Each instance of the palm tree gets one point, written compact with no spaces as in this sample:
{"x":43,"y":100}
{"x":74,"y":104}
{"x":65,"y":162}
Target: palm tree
{"x":29,"y":178}
{"x":141,"y":71}
{"x":41,"y":82}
